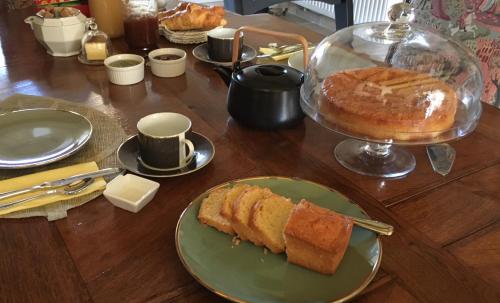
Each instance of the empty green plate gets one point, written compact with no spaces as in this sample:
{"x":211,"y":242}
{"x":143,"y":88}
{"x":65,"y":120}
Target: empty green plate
{"x":40,"y":136}
{"x":245,"y":273}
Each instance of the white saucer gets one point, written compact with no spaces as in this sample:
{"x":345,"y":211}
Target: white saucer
{"x":128,"y":153}
{"x":201,"y":53}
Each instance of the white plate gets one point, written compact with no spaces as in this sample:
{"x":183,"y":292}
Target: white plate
{"x":296,"y":60}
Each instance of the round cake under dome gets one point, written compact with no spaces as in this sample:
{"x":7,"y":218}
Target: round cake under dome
{"x":392,"y":83}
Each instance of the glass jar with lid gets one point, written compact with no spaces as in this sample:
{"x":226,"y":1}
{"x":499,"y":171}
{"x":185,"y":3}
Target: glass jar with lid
{"x":387,"y":84}
{"x":141,"y":24}
{"x":96,"y":45}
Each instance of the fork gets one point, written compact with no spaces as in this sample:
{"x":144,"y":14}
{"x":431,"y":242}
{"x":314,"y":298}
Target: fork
{"x":69,"y":190}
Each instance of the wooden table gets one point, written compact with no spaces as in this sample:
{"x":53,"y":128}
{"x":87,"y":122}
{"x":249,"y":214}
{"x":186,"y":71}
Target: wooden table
{"x":446,"y":245}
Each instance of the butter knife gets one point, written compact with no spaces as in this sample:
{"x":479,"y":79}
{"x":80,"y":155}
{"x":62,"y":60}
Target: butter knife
{"x":376,"y":226}
{"x":61,"y":182}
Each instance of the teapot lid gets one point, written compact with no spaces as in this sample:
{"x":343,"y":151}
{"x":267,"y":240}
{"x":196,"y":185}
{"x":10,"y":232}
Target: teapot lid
{"x":271,"y":77}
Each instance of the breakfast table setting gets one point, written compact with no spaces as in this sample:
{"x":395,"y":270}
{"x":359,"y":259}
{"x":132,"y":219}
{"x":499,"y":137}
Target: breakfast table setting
{"x":249,"y":159}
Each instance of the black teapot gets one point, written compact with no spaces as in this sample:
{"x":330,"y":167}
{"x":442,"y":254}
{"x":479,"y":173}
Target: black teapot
{"x":264,"y":96}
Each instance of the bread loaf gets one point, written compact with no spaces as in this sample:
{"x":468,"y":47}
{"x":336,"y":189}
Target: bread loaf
{"x":268,"y":220}
{"x":316,"y":237}
{"x":312,"y":236}
{"x":210,"y":211}
{"x":242,"y":211}
{"x":231,"y":196}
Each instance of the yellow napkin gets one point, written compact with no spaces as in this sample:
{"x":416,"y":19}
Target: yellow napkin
{"x":50,"y":175}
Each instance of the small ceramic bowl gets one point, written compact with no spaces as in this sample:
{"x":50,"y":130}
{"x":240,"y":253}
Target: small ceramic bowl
{"x":121,"y":72}
{"x":130,"y":192}
{"x":167,"y":68}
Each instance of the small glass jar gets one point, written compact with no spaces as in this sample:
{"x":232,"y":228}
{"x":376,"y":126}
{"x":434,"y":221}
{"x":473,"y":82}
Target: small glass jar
{"x":96,"y":45}
{"x":141,"y":24}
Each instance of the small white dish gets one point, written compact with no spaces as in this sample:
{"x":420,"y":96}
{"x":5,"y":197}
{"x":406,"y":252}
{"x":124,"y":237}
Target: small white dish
{"x":167,"y":68}
{"x":125,"y":75}
{"x":130,"y":192}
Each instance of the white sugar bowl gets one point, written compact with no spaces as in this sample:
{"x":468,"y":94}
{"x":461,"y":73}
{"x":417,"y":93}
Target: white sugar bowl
{"x":61,"y":37}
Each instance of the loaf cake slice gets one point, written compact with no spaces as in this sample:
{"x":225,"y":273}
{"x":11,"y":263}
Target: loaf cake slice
{"x":242,"y":210}
{"x":316,"y":237}
{"x":268,"y":220}
{"x":210,"y":211}
{"x":231,"y":196}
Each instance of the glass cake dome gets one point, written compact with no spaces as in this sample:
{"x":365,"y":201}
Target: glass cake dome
{"x":388,"y":84}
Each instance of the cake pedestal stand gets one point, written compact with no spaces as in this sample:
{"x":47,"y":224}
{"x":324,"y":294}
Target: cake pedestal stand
{"x":373,"y":159}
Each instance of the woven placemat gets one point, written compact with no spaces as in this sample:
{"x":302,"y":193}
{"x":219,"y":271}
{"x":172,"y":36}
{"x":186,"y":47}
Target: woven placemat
{"x":107,"y":135}
{"x":184,"y":37}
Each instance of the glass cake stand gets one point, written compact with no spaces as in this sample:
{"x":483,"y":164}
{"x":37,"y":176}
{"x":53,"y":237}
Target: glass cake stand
{"x":392,"y":45}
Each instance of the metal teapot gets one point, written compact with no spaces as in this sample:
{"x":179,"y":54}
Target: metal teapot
{"x":265,"y":96}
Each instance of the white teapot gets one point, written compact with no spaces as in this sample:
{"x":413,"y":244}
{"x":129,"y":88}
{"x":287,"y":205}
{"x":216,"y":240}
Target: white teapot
{"x":60,"y":36}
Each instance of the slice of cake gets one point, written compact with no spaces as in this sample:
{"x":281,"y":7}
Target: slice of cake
{"x":242,"y":210}
{"x":210,"y":211}
{"x":231,"y":196}
{"x":316,"y":237}
{"x":268,"y":220}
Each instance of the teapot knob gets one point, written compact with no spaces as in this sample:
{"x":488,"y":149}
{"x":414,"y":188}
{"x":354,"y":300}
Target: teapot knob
{"x":91,"y":24}
{"x":401,"y":13}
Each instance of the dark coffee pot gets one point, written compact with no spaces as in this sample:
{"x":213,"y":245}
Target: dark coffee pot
{"x":264,"y":96}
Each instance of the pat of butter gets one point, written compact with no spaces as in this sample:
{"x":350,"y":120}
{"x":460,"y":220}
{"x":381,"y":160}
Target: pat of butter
{"x":96,"y":51}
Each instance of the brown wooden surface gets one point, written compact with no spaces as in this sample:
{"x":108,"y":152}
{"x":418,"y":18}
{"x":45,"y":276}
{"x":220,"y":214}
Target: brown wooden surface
{"x":446,"y":246}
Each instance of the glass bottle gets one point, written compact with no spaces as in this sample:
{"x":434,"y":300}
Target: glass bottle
{"x":141,"y":24}
{"x":108,"y":15}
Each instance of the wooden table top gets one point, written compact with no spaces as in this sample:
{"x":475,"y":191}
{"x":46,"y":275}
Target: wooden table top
{"x":446,"y":245}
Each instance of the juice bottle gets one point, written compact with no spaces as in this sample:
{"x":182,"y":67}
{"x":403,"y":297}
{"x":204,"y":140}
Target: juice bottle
{"x":108,"y":15}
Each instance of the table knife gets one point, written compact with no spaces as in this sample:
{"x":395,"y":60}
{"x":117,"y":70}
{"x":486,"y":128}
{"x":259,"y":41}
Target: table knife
{"x":61,"y":182}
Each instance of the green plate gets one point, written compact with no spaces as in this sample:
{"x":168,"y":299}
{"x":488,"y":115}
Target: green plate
{"x":245,"y":273}
{"x":34,"y":137}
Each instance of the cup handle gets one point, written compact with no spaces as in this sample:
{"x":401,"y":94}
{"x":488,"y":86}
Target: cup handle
{"x":191,"y":150}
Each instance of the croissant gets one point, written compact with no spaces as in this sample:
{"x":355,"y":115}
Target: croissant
{"x":193,"y":17}
{"x":180,"y":7}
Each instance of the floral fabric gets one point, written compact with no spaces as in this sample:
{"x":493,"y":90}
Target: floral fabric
{"x":476,"y":23}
